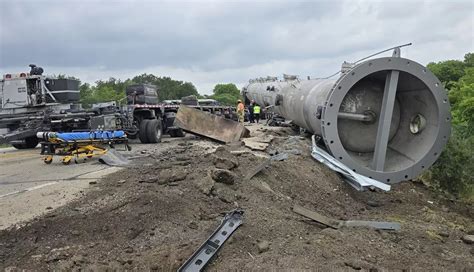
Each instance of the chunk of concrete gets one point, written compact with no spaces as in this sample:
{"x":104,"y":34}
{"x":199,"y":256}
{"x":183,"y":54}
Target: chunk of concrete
{"x":223,"y":176}
{"x":468,"y":239}
{"x":254,"y":144}
{"x":205,"y":185}
{"x":263,"y":246}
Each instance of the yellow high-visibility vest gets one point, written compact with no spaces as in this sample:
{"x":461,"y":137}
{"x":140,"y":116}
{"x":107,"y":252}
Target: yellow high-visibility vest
{"x":256,"y":109}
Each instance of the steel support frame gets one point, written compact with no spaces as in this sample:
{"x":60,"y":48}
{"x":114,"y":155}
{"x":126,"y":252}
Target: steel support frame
{"x":385,"y":120}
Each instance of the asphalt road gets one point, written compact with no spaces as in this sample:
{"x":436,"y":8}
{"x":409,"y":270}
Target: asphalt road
{"x":29,"y":187}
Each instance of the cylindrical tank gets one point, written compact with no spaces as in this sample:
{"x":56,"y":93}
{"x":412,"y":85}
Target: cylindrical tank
{"x":386,"y":118}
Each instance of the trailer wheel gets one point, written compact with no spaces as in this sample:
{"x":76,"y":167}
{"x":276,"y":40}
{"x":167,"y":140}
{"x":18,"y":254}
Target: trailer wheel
{"x":154,"y":131}
{"x":132,"y":135}
{"x":142,"y":134}
{"x":30,"y":142}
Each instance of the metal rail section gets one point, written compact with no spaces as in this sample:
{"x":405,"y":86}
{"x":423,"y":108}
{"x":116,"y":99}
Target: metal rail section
{"x":359,"y":182}
{"x":201,"y":258}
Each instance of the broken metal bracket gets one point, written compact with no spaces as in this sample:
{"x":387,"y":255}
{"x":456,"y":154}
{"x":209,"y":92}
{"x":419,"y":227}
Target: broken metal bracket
{"x":356,"y":180}
{"x":201,"y":258}
{"x":257,"y":169}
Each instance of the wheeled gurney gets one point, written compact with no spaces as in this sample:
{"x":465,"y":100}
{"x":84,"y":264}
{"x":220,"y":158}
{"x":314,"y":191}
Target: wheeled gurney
{"x":79,"y":145}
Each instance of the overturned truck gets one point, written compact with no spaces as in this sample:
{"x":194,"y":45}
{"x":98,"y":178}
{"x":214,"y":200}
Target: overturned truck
{"x":385,"y":118}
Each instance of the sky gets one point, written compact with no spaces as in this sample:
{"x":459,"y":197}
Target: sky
{"x":211,"y":42}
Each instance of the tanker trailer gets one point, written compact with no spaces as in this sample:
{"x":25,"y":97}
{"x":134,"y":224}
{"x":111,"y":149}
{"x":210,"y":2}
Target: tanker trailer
{"x":386,"y":118}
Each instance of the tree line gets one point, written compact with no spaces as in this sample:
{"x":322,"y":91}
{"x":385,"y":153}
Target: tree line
{"x":168,"y":89}
{"x":454,"y":170}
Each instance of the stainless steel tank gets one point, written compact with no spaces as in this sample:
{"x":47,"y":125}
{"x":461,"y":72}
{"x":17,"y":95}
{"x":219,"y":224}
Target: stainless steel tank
{"x":386,"y":118}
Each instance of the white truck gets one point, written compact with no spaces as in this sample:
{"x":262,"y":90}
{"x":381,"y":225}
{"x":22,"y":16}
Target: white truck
{"x":30,"y":102}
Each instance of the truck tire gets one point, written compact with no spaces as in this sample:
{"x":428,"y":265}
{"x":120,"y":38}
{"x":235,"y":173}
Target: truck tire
{"x":19,"y":146}
{"x":30,"y":142}
{"x":154,"y":131}
{"x":133,"y":135}
{"x":142,"y":134}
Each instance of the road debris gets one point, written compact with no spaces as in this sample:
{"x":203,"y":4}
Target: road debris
{"x":255,"y":145}
{"x":468,"y":239}
{"x":113,"y":158}
{"x":336,"y":224}
{"x":257,"y":170}
{"x":357,"y":181}
{"x":223,"y":175}
{"x":209,"y":125}
{"x":280,"y":157}
{"x":263,"y":246}
{"x":200,"y":259}
{"x":251,"y":255}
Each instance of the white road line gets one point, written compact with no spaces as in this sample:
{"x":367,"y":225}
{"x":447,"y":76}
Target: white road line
{"x":29,"y":189}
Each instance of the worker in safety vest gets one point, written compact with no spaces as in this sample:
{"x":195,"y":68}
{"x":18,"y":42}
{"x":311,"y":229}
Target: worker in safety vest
{"x":256,"y":112}
{"x":240,"y":111}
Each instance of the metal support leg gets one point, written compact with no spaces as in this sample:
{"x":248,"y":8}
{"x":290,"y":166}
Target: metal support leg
{"x":385,"y":120}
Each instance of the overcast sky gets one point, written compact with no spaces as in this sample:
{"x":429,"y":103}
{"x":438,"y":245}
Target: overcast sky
{"x":209,"y":42}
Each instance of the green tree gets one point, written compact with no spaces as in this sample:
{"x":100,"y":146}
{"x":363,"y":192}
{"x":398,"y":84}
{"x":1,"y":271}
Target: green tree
{"x":461,"y":97}
{"x":454,"y":169}
{"x":449,"y":72}
{"x":469,"y":60}
{"x":167,"y":88}
{"x":114,"y":89}
{"x":226,"y":94}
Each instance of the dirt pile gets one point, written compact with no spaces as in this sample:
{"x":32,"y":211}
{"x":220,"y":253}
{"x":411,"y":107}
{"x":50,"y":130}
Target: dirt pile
{"x":153,"y":215}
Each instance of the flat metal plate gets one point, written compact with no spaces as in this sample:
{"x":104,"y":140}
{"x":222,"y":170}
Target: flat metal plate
{"x":209,"y":125}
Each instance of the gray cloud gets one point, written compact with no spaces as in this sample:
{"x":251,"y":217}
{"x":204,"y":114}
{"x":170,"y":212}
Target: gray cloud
{"x":223,"y":41}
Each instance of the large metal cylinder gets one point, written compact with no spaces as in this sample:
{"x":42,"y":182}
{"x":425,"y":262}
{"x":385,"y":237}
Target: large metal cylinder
{"x":385,"y":118}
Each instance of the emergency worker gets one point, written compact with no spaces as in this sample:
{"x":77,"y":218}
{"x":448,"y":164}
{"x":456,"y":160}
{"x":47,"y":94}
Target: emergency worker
{"x":251,"y":117}
{"x":256,"y":112}
{"x":240,"y":111}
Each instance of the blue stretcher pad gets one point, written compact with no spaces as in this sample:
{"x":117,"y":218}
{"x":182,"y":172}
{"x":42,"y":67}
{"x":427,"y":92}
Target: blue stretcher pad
{"x":94,"y":135}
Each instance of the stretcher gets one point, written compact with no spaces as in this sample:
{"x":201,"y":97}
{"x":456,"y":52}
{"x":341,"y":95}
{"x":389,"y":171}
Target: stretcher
{"x":79,"y":145}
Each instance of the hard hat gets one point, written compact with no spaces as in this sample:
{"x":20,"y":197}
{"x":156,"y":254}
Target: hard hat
{"x":239,"y":101}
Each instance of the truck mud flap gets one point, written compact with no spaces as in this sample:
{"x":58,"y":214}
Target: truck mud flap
{"x":209,"y":249}
{"x":209,"y":125}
